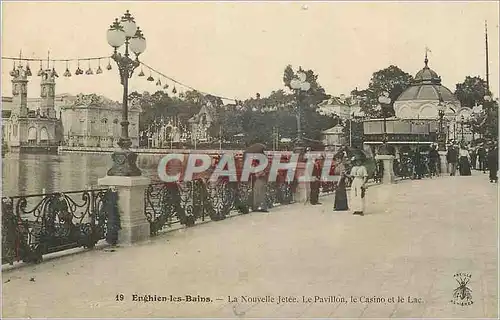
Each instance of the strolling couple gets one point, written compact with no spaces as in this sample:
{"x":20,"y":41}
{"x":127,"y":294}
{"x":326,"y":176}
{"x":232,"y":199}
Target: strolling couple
{"x":359,"y":174}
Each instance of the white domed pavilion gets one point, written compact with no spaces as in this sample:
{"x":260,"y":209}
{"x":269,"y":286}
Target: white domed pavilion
{"x":421,"y":99}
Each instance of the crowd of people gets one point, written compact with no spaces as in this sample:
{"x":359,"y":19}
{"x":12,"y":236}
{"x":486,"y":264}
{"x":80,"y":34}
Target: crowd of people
{"x":354,"y":170}
{"x":459,"y":156}
{"x":482,"y":157}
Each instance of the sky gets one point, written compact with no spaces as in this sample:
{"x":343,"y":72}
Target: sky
{"x":238,"y":49}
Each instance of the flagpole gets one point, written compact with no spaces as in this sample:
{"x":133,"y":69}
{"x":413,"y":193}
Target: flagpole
{"x":487,"y":57}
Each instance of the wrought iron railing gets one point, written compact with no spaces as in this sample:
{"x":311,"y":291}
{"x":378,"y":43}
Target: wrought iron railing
{"x":35,"y":225}
{"x":186,"y":203}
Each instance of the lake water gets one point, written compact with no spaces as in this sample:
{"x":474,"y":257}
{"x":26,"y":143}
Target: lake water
{"x":24,"y":174}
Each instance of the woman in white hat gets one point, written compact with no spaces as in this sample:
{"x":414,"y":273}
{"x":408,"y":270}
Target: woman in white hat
{"x":359,"y":175}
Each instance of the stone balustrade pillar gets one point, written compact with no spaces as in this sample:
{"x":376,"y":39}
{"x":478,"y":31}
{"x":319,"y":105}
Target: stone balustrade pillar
{"x":388,"y":163}
{"x":134,"y":225}
{"x":443,"y":162}
{"x":302,"y":190}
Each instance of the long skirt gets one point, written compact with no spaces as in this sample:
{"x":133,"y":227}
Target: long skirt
{"x":357,"y":202}
{"x":314,"y":192}
{"x":340,"y":203}
{"x":259,"y":195}
{"x":493,"y":168}
{"x":464,"y":166}
{"x":302,"y":192}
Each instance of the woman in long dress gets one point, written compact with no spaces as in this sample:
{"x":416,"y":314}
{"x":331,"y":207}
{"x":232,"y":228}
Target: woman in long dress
{"x":464,"y":161}
{"x":340,"y":203}
{"x":359,"y":175}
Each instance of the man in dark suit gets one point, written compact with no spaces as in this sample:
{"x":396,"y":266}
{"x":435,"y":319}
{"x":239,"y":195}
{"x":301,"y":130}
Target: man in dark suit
{"x":315,"y":184}
{"x":481,"y":154}
{"x":452,"y":159}
{"x":493,"y":162}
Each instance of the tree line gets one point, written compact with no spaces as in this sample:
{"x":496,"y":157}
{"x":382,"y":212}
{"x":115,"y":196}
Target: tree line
{"x":260,"y":119}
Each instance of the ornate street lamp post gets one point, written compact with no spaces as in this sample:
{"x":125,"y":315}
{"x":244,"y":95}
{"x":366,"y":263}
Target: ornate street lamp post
{"x":462,"y":121}
{"x":441,"y":140}
{"x":385,"y":103}
{"x":125,"y":32}
{"x":299,"y":86}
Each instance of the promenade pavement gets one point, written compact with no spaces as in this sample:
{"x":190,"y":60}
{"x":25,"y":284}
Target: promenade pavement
{"x":415,"y":236}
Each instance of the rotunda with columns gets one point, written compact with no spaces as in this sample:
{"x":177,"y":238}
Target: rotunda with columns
{"x":425,"y":96}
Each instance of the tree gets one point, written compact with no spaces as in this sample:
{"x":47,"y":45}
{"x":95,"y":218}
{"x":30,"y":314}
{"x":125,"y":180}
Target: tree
{"x":160,"y":105}
{"x":356,"y":138}
{"x":392,"y":80}
{"x":228,"y":124}
{"x":491,"y":120}
{"x":471,"y":91}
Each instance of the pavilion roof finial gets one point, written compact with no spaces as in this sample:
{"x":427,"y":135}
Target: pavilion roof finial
{"x":426,"y":60}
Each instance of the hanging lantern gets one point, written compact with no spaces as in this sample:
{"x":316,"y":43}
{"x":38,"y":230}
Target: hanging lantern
{"x":13,"y":71}
{"x":158,"y":83}
{"x":99,"y":70}
{"x":174,"y":91}
{"x":150,"y":78}
{"x":54,"y":72}
{"x":141,"y":74}
{"x":78,"y":70}
{"x":28,"y":70}
{"x":67,"y":73}
{"x":165,"y":86}
{"x":109,"y":64}
{"x":40,"y":72}
{"x":89,"y":70}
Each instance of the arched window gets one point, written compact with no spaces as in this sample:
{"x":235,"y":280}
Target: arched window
{"x":32,"y":135}
{"x":44,"y":135}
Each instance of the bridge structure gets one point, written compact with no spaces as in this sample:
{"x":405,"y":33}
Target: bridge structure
{"x":425,"y":248}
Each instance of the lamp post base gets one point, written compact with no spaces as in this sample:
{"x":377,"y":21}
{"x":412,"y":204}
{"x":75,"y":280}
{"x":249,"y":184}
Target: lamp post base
{"x":124,"y":164}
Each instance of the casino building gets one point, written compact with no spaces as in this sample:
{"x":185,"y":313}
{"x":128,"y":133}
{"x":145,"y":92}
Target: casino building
{"x":417,"y":121}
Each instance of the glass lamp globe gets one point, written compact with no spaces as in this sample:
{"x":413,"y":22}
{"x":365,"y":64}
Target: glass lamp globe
{"x":487,"y":98}
{"x":305,"y":86}
{"x":138,"y":44}
{"x":384,"y":100}
{"x":116,"y":35}
{"x":295,"y":84}
{"x":129,"y":26}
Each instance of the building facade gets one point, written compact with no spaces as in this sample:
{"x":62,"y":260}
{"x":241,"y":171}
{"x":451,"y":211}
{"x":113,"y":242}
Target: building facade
{"x":201,"y":122}
{"x":423,"y":99}
{"x":334,"y":138}
{"x":90,"y":120}
{"x":26,"y":130}
{"x":416,"y":122}
{"x":343,"y":107}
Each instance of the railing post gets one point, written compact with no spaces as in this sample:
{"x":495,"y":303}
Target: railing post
{"x":134,"y":224}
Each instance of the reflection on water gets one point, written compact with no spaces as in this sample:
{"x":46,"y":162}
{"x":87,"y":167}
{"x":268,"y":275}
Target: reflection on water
{"x":31,"y":173}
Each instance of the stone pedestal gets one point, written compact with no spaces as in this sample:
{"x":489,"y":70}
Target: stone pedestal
{"x":443,"y":162}
{"x":134,"y":225}
{"x":388,"y":163}
{"x":302,"y":193}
